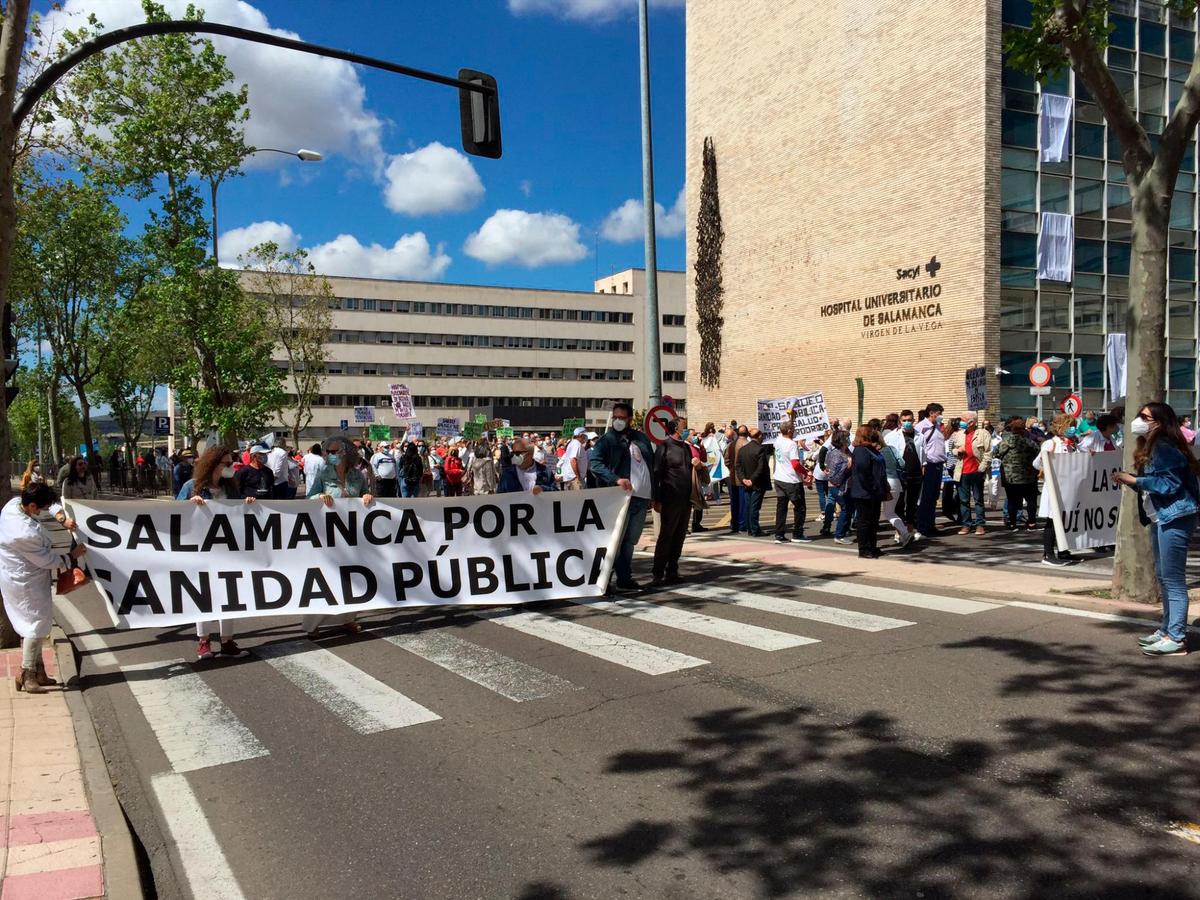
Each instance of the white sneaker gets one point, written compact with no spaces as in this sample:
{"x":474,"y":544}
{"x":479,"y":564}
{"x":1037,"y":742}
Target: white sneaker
{"x":917,"y":536}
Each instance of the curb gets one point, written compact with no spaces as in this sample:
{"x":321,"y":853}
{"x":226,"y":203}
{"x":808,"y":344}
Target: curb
{"x":122,"y":875}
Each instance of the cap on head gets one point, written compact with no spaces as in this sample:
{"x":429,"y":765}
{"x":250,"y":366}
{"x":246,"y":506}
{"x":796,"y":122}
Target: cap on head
{"x":580,"y":430}
{"x":259,"y":449}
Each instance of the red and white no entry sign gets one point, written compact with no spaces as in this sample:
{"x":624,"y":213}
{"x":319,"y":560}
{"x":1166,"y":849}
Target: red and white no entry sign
{"x":656,"y":423}
{"x":1072,"y":405}
{"x":1040,"y":374}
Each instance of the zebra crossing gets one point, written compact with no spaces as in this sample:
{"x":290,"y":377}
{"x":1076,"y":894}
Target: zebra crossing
{"x":197,"y":729}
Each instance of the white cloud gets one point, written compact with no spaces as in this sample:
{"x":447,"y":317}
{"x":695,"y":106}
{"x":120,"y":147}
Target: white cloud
{"x":237,"y":241}
{"x":411,"y":257}
{"x":625,"y":224}
{"x":526,"y":187}
{"x":593,"y":10}
{"x":434,"y":179}
{"x":296,"y":99}
{"x":521,"y":238}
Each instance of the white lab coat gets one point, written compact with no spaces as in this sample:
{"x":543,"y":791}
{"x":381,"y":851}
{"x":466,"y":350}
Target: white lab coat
{"x":27,"y":563}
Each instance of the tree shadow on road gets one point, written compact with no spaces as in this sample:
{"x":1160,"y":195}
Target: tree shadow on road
{"x":1048,"y":808}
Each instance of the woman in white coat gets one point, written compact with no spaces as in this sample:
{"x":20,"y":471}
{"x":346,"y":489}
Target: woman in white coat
{"x":1062,"y":440}
{"x":27,"y":563}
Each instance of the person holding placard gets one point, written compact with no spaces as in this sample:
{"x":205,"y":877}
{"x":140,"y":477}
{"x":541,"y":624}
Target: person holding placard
{"x":1057,"y":443}
{"x":1169,"y":504}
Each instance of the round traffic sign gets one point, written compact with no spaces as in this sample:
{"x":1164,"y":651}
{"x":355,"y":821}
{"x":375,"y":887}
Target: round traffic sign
{"x":668,"y":401}
{"x":656,"y":423}
{"x":1072,"y":405}
{"x":1040,"y":374}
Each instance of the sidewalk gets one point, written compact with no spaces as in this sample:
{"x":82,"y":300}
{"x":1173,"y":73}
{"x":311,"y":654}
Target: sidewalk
{"x":49,"y":846}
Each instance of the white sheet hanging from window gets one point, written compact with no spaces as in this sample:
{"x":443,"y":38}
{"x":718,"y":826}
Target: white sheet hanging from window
{"x":1055,"y":132}
{"x":1115,"y":352}
{"x":1056,"y":247}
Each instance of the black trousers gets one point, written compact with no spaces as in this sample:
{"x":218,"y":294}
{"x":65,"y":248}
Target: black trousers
{"x":907,"y":507}
{"x":672,"y":529}
{"x":1018,"y":494}
{"x":1050,"y":542}
{"x":951,"y":508}
{"x":386,"y":487}
{"x":868,"y":526}
{"x":789,"y":493}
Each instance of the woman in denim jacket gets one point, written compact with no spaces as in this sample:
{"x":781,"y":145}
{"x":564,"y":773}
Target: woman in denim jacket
{"x":1169,"y":502}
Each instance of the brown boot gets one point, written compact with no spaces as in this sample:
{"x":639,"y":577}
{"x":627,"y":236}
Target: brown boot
{"x":42,"y":678}
{"x":27,"y":682}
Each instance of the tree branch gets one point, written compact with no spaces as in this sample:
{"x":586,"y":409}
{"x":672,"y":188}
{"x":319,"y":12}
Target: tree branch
{"x":1180,"y":127}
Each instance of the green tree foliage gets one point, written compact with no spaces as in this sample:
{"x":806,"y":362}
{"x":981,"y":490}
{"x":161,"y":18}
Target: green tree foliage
{"x":297,"y":304}
{"x":30,"y":404}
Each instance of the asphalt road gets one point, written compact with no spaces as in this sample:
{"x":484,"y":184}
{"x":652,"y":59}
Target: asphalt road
{"x":821,"y":738}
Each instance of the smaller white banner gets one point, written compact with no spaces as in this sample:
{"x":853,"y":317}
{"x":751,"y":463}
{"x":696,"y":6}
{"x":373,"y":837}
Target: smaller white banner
{"x":415,"y":431}
{"x":401,"y":401}
{"x":808,"y":413}
{"x":1115,"y":358}
{"x":1055,"y":132}
{"x":364,"y":415}
{"x":1084,"y":501}
{"x":976,"y":383}
{"x":447,"y":427}
{"x":1056,"y":247}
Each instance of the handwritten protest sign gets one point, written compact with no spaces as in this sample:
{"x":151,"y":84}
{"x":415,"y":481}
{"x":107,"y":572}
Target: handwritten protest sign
{"x":810,"y":416}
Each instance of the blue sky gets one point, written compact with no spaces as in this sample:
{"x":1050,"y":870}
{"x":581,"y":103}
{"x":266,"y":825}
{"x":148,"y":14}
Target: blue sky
{"x":395,"y":196}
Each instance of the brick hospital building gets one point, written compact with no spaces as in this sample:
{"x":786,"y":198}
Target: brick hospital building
{"x":888,"y":187}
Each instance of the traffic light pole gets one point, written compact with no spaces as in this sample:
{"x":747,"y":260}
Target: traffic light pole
{"x":653,"y":346}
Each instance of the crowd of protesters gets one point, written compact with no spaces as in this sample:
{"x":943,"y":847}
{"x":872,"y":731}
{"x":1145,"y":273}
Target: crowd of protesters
{"x":898,"y":470}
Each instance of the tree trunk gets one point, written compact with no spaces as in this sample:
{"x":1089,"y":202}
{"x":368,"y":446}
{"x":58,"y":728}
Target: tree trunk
{"x":1145,"y":335}
{"x":12,"y":41}
{"x":56,"y":449}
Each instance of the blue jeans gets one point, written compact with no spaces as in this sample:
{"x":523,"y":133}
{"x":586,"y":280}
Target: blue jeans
{"x":635,"y":522}
{"x":845,"y":515}
{"x":970,"y":493}
{"x":1170,"y":545}
{"x":931,"y":490}
{"x":834,"y":498}
{"x":822,"y":492}
{"x":737,"y":503}
{"x":409,"y":488}
{"x":753,"y":498}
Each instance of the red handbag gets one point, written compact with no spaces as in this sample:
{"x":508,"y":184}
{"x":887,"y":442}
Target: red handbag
{"x":72,"y":578}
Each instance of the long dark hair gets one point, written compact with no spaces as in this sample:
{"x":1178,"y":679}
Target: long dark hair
{"x":1168,"y":432}
{"x":202,"y":472}
{"x":73,"y":476}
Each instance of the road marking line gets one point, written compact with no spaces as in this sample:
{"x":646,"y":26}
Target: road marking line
{"x":193,"y":725}
{"x":851,"y":591}
{"x":613,"y":648}
{"x":505,"y":676}
{"x":85,"y":633}
{"x":754,"y":636}
{"x":204,"y":864}
{"x":797,"y":609}
{"x":364,"y":703}
{"x":1088,"y":614}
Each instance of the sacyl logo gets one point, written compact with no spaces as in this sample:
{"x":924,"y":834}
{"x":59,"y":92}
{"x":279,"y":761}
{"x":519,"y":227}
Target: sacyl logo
{"x":930,"y":267}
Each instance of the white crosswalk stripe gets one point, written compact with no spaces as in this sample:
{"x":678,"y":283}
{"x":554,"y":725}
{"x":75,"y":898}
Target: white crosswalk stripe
{"x":364,"y":703}
{"x":612,"y":648}
{"x":797,"y":609}
{"x":92,"y":643}
{"x":851,"y":591}
{"x":193,"y":725}
{"x":697,"y":623}
{"x":505,"y":676}
{"x":204,"y":864}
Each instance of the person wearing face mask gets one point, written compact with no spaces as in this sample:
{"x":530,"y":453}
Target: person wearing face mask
{"x":676,"y":493}
{"x":971,"y":446}
{"x":32,"y":474}
{"x":1058,"y":442}
{"x":1169,"y":504}
{"x":622,"y":457}
{"x":526,"y":457}
{"x":213,"y":478}
{"x":1017,"y":452}
{"x":256,"y":480}
{"x":929,"y":428}
{"x":912,"y":462}
{"x":736,"y":439}
{"x":27,"y":561}
{"x":754,"y":469}
{"x":409,"y":471}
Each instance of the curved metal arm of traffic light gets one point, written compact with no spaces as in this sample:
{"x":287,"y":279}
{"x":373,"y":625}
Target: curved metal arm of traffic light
{"x":46,"y":80}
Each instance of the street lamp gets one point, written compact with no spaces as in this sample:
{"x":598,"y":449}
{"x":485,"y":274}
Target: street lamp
{"x":301,"y":154}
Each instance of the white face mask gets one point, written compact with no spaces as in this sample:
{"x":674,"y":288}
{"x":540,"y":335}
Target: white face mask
{"x":1141,"y":427}
{"x":619,"y":424}
{"x":228,"y":472}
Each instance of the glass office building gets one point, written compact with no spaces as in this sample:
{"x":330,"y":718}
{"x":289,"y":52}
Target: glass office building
{"x":1150,"y":55}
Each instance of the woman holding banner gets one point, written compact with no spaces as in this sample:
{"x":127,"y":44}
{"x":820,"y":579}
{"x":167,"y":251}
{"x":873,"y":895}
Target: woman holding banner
{"x":340,"y":477}
{"x":1169,"y":503}
{"x":213,"y":479}
{"x":1062,"y":431}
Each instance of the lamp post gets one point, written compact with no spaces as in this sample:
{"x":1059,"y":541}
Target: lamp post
{"x":653,"y":347}
{"x":301,"y":154}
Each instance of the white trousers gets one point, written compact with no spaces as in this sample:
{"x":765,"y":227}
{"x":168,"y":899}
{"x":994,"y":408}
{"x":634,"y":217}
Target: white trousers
{"x":889,"y":510}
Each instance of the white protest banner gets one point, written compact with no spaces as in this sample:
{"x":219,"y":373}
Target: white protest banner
{"x":1083,"y":499}
{"x":401,"y":401}
{"x":811,"y":417}
{"x":415,"y":431}
{"x":161,"y":564}
{"x":447,"y":427}
{"x":976,"y":385}
{"x":364,"y":415}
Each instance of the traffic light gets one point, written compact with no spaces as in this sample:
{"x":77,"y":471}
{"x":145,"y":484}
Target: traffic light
{"x":10,"y":356}
{"x":479,"y":113}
